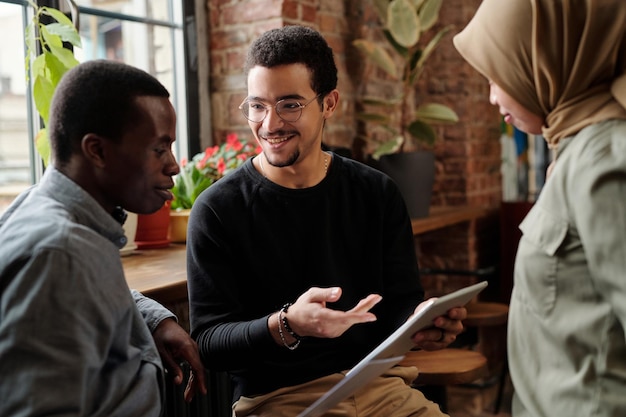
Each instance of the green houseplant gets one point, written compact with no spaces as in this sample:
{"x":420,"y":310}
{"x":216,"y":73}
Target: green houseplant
{"x":394,"y":125}
{"x":399,"y":134}
{"x":204,"y":168}
{"x":199,"y":173}
{"x":47,"y":61}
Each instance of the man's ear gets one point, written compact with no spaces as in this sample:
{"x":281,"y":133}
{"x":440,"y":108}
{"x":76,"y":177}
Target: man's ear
{"x":330,"y":103}
{"x":93,"y":149}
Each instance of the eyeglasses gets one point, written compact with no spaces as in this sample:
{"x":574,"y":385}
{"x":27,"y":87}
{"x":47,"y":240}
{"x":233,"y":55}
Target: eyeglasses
{"x":289,"y":109}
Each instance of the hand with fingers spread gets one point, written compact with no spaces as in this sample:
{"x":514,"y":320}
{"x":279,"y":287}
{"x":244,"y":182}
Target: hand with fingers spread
{"x":309,"y":315}
{"x":444,"y":331}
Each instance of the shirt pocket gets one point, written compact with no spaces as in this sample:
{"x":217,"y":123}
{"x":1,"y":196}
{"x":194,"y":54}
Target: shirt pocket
{"x":537,"y":259}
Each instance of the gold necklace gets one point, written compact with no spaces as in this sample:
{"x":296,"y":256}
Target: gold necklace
{"x":325,"y":165}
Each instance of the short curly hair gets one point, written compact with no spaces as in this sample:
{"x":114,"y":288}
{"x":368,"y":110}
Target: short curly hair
{"x":296,"y":45}
{"x":96,"y":97}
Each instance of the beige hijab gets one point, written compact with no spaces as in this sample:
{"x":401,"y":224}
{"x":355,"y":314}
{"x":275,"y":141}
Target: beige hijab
{"x":564,"y":60}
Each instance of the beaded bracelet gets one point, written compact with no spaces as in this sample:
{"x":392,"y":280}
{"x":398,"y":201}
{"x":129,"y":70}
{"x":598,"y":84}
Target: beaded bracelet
{"x":286,"y":323}
{"x":282,"y":336}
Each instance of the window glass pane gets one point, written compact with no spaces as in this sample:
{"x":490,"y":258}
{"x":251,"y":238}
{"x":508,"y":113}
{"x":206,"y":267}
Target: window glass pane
{"x":143,"y":33}
{"x":155,"y":46}
{"x":144,"y":46}
{"x":15,"y":172}
{"x":151,"y":9}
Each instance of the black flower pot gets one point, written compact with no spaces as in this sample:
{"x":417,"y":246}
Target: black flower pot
{"x":414,"y":172}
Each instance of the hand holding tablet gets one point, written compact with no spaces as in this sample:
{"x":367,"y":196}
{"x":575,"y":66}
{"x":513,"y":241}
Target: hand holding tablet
{"x":392,"y":350}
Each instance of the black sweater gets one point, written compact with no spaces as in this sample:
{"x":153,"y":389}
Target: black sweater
{"x":253,"y":245}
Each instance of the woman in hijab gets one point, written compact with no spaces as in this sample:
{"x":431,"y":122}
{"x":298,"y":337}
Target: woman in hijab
{"x":558,"y":68}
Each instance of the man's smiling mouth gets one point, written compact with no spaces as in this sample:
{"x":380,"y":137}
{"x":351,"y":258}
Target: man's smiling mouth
{"x":277,"y":140}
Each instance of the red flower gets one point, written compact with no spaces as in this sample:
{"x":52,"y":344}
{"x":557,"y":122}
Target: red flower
{"x":221,"y":166}
{"x":210,"y":151}
{"x":213,"y":163}
{"x":202,"y":163}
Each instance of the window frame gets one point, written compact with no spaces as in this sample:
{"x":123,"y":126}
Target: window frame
{"x":185,"y":94}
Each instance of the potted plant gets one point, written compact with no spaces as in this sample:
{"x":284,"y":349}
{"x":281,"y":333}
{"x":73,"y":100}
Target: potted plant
{"x":399,"y":135}
{"x":48,"y":60}
{"x":199,"y":173}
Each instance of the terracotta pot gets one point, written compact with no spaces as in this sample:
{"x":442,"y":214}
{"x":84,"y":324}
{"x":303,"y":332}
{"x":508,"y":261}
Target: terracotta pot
{"x":178,"y":225}
{"x":152,"y":229}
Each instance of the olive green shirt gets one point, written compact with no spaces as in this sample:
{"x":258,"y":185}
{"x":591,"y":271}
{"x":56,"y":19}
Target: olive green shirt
{"x":567,"y":351}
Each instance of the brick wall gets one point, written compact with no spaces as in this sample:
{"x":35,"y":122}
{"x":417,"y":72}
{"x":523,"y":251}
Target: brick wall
{"x":468,"y":153}
{"x":234,"y":24}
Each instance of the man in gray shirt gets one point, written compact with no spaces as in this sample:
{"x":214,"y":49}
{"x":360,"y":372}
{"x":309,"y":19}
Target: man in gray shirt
{"x":73,"y":339}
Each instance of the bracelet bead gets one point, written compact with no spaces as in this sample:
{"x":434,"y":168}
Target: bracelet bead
{"x":286,"y":323}
{"x":282,"y":335}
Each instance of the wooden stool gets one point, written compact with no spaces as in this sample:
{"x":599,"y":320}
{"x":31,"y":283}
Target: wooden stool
{"x":481,"y":314}
{"x":446,"y":366}
{"x":440,"y":368}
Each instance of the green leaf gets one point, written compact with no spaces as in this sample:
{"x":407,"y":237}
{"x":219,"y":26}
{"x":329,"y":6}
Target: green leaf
{"x":401,"y":50}
{"x":38,"y":66}
{"x":389,"y":147}
{"x":50,"y":40}
{"x":436,"y":113}
{"x":43,"y":145}
{"x":378,"y":55}
{"x":48,"y":68}
{"x":380,"y":102}
{"x":29,"y":37}
{"x":65,"y":33}
{"x":403,"y":22}
{"x":54,"y":67}
{"x":202,"y":185}
{"x":415,"y":59}
{"x":432,"y":45}
{"x":65,"y":57}
{"x":373,"y":118}
{"x":422,"y":132}
{"x":43,"y":90}
{"x":58,"y":16}
{"x":429,"y":13}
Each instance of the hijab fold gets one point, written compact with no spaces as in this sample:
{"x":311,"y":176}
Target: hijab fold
{"x":564,"y":60}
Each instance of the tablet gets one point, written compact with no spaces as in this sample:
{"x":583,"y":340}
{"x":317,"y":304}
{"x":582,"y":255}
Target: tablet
{"x":391,"y":350}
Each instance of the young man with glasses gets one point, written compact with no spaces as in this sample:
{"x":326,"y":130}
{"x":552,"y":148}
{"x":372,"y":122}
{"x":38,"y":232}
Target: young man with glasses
{"x":302,"y":261}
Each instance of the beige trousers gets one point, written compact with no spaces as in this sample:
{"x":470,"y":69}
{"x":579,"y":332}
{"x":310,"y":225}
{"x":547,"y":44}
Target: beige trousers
{"x":389,"y":395}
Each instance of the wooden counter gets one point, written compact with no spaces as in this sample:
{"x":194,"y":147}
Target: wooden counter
{"x":158,"y":273}
{"x":162,"y":273}
{"x":440,"y":217}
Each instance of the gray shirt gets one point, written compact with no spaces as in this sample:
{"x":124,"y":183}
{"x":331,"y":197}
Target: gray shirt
{"x":567,"y":349}
{"x":73,"y":339}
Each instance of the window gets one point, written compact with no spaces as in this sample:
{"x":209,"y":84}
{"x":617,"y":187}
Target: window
{"x":148,"y":34}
